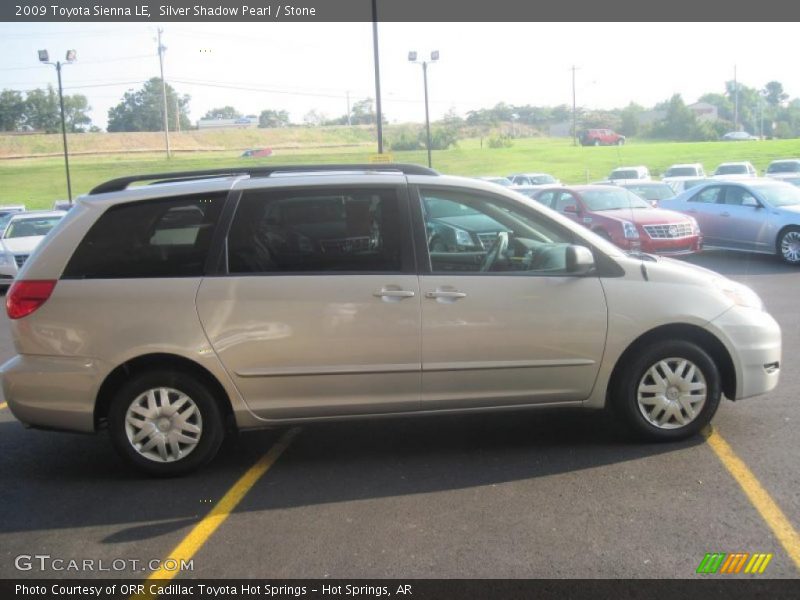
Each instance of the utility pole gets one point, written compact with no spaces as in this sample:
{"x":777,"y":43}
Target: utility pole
{"x":71,"y":56}
{"x":348,"y":109}
{"x":735,"y":101}
{"x":161,"y":49}
{"x":412,"y":57}
{"x":574,"y":111}
{"x":379,"y":112}
{"x":177,"y":115}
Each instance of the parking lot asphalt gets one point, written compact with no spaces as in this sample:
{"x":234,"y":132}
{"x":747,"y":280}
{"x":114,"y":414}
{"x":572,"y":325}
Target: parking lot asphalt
{"x":526,"y":494}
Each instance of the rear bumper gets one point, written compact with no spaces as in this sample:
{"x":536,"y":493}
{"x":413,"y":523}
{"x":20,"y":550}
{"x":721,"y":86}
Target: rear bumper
{"x":753,"y":339}
{"x":52,"y":392}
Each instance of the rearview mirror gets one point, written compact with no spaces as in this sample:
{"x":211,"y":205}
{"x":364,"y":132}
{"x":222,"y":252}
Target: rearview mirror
{"x":580,"y":260}
{"x":571,"y":208}
{"x":751,"y":202}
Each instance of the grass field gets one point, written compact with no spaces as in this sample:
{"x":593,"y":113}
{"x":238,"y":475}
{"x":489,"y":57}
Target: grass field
{"x":37,"y":182}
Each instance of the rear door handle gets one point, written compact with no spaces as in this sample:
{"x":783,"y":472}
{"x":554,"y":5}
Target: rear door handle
{"x":725,"y":214}
{"x":446,"y":295}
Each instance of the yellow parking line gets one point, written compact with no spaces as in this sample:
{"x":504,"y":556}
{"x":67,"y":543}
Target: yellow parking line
{"x":201,"y":532}
{"x":758,"y":496}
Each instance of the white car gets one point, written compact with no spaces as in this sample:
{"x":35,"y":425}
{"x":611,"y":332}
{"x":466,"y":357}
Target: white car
{"x":681,"y":184}
{"x":682,"y":171}
{"x":21,"y":234}
{"x":788,"y":168}
{"x":629,"y":174}
{"x":533,"y":180}
{"x":735,"y":170}
{"x":739,"y":136}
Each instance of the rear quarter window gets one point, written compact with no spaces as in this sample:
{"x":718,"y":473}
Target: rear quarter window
{"x":151,"y":238}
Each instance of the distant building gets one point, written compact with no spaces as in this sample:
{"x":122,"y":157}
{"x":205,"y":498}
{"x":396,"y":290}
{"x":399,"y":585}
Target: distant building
{"x":704,"y":111}
{"x":247,"y":122}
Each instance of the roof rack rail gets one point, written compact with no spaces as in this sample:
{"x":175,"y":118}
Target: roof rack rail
{"x":121,"y":183}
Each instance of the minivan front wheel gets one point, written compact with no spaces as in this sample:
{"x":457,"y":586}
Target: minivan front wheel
{"x":165,"y":423}
{"x":669,"y":391}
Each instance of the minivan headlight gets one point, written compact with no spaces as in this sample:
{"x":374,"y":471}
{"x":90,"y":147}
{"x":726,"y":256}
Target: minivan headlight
{"x":739,"y":294}
{"x":630,"y":231}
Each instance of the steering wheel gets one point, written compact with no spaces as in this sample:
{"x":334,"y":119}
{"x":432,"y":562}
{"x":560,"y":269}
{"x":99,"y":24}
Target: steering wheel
{"x":497,"y":250}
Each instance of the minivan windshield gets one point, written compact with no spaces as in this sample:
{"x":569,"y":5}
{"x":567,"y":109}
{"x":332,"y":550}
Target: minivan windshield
{"x":612,"y":199}
{"x":779,"y":194}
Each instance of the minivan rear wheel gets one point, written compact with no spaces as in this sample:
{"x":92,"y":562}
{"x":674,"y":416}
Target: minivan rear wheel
{"x":668,"y":391}
{"x":165,"y":423}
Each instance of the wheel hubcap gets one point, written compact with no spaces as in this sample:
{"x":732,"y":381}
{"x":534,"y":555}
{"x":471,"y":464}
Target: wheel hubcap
{"x":163,"y":424}
{"x":672,"y":393}
{"x":790,"y":246}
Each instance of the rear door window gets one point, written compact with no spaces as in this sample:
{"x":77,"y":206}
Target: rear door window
{"x":340,"y":230}
{"x":150,"y":238}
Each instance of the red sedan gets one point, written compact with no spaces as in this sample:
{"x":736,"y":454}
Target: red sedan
{"x":625,"y":219}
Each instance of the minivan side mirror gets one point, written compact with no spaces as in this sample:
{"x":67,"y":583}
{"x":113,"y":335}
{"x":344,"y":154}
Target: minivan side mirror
{"x":571,"y":208}
{"x":580,"y":260}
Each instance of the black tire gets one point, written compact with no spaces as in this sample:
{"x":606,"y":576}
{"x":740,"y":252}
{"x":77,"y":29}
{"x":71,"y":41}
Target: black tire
{"x":212,"y":431}
{"x":789,"y":232}
{"x":624,"y":397}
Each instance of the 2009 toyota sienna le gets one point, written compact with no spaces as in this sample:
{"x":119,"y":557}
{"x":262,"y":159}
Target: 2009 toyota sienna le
{"x":242,"y":298}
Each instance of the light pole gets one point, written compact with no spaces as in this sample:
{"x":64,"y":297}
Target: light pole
{"x":70,"y":58}
{"x":412,"y":57}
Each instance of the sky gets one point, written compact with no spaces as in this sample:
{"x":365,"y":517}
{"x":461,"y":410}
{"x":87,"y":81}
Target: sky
{"x":303,"y":66}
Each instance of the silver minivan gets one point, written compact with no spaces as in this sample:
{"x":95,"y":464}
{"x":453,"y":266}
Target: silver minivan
{"x":174,"y":312}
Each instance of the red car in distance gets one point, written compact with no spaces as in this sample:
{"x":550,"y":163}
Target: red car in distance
{"x":625,"y":219}
{"x":600,"y":137}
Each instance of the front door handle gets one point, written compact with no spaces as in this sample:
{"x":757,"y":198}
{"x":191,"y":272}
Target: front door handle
{"x":445,"y":295}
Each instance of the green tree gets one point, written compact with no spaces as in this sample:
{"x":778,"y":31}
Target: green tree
{"x":629,"y":119}
{"x":142,"y":110}
{"x":774,"y":94}
{"x":679,"y":123}
{"x":42,"y":112}
{"x":75,"y":113}
{"x":273,"y":118}
{"x":12,"y":110}
{"x":224,"y":112}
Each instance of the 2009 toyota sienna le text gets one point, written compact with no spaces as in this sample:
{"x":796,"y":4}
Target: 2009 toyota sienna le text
{"x":242,"y":298}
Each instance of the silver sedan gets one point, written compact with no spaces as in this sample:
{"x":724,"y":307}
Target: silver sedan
{"x":760,"y":215}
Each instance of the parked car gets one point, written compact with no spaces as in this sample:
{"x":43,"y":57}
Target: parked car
{"x":600,"y":137}
{"x":624,"y":219}
{"x":651,"y":191}
{"x":681,"y":184}
{"x":633,"y":174}
{"x":11,"y":208}
{"x":257,"y":153}
{"x":63,"y":205}
{"x":683,"y":170}
{"x":532,"y":179}
{"x":735,"y":170}
{"x":504,"y":181}
{"x":760,"y":215}
{"x":738,"y":136}
{"x":172,"y":313}
{"x":788,"y":168}
{"x":21,"y":234}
